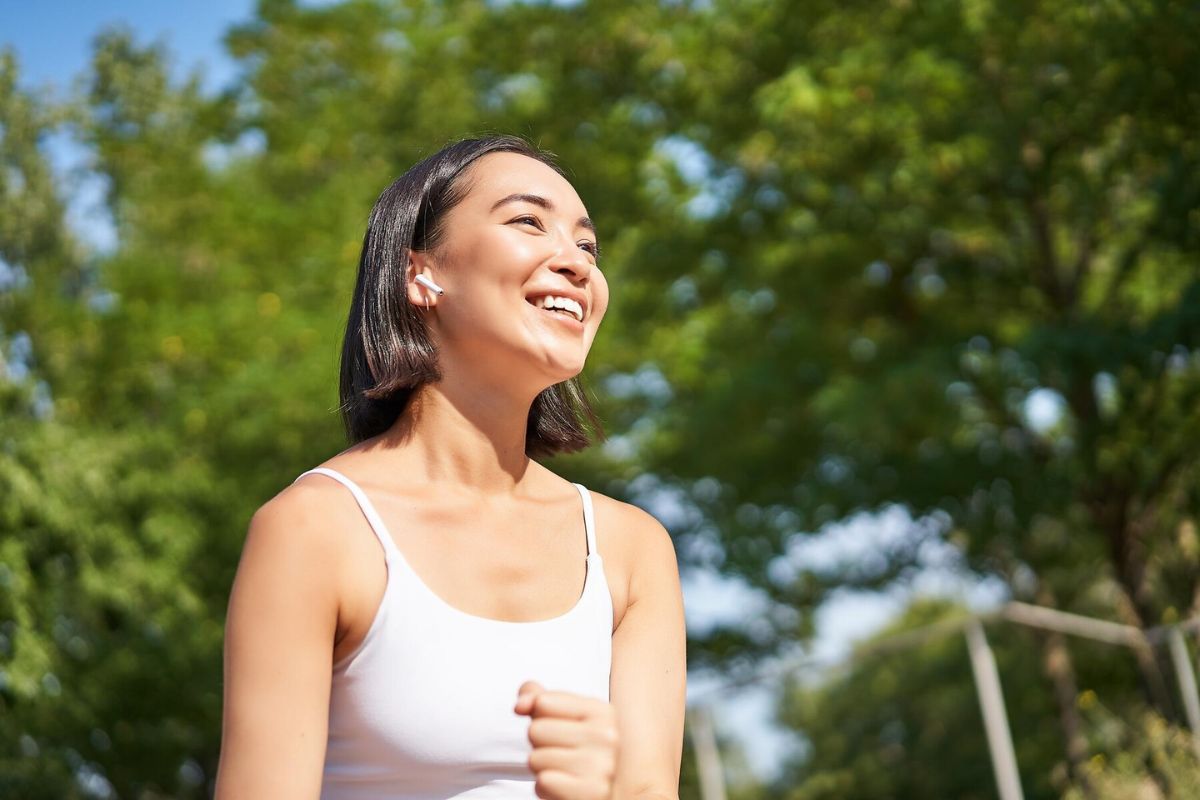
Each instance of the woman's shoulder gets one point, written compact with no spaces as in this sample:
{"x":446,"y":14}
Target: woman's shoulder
{"x":303,"y":503}
{"x":632,"y":534}
{"x":628,"y":520}
{"x":642,"y":549}
{"x":302,"y":518}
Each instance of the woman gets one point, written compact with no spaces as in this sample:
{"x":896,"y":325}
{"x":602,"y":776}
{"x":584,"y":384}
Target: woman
{"x":407,"y":620}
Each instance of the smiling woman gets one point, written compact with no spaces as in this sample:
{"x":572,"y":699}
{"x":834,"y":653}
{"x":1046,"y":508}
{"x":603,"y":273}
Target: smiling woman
{"x":388,"y":350}
{"x":432,"y":613}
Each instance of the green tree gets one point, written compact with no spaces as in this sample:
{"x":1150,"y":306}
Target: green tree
{"x":901,"y":719}
{"x":1149,"y":759}
{"x":191,"y":372}
{"x":100,"y":623}
{"x":848,"y":244}
{"x":921,"y":220}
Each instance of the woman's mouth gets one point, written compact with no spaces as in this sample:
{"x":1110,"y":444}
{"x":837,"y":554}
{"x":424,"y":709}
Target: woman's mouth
{"x":565,"y":309}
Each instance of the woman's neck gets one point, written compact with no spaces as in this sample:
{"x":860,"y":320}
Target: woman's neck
{"x":463,"y":434}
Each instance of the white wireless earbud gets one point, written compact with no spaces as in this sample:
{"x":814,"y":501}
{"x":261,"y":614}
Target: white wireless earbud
{"x":430,"y":285}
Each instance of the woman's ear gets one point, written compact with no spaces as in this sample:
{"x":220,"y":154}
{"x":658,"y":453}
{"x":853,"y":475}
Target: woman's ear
{"x":418,"y":295}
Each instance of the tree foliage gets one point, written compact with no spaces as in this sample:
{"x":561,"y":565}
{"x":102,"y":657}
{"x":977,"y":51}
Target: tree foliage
{"x":925,"y":222}
{"x":901,"y":718}
{"x":853,"y":247}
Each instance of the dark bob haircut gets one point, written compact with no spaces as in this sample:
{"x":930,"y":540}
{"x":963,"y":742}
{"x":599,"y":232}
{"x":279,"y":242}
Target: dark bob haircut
{"x":387,"y":354}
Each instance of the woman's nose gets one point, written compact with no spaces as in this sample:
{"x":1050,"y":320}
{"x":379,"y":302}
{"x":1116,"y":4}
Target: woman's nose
{"x":573,"y":262}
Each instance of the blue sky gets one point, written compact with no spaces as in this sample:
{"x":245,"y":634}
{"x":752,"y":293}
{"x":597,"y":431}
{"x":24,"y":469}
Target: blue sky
{"x":53,"y":39}
{"x":53,"y":43}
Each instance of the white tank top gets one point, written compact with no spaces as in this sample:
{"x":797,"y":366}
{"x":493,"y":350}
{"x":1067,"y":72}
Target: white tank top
{"x":423,"y":708}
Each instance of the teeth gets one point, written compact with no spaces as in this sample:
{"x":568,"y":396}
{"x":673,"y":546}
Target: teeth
{"x":564,"y":303}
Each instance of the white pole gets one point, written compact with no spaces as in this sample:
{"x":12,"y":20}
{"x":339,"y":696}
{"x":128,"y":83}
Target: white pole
{"x":708,"y":755}
{"x":995,"y":719}
{"x":1187,"y":683}
{"x":1051,"y":619}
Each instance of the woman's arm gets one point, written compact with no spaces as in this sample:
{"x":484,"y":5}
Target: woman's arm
{"x":279,"y":638}
{"x":649,"y":667}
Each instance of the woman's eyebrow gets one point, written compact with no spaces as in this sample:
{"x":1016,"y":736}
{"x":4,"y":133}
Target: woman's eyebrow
{"x":542,"y":202}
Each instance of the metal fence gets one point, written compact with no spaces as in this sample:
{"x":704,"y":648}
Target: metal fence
{"x":987,"y":681}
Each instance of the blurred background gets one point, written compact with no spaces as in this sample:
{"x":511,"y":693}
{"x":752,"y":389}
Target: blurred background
{"x":904,"y":342}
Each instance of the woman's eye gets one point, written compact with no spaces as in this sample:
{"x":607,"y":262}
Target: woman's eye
{"x":529,"y":221}
{"x":590,"y":247}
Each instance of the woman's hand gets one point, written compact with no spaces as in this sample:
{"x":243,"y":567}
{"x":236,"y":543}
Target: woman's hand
{"x":574,"y":742}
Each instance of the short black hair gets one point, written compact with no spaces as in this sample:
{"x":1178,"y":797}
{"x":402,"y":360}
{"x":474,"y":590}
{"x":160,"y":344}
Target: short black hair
{"x":387,"y":353}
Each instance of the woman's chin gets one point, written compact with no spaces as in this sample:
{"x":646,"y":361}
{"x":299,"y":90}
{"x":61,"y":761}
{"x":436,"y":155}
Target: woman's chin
{"x":564,"y":372}
{"x":560,"y":363}
{"x":556,"y":368}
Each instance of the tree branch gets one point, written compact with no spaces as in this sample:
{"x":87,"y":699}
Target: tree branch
{"x":1045,"y":263}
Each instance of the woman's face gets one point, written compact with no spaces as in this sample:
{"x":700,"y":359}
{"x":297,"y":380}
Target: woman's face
{"x":519,"y":241}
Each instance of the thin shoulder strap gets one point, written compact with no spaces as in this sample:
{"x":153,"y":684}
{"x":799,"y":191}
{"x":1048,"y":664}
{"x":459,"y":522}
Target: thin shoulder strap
{"x":364,"y":503}
{"x":589,"y":518}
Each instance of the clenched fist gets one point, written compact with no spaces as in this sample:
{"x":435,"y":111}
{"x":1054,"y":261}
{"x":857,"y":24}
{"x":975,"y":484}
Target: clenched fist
{"x":574,"y":742}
